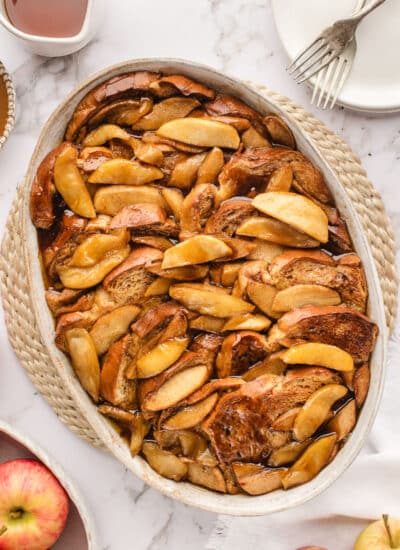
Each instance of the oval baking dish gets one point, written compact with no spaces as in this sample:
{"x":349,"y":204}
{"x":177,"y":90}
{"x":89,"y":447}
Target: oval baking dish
{"x":189,"y":494}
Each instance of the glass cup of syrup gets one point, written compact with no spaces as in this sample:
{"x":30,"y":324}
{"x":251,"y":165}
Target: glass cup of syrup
{"x":52,"y":27}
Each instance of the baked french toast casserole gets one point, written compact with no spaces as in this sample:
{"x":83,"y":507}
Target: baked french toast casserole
{"x":203,"y":284}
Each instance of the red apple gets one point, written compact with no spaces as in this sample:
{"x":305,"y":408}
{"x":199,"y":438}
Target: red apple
{"x":33,"y":506}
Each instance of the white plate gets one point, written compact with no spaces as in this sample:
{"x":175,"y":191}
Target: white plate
{"x":374,"y":81}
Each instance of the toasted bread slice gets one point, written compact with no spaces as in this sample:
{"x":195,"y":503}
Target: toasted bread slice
{"x":114,"y":386}
{"x":335,"y":325}
{"x":229,"y":216}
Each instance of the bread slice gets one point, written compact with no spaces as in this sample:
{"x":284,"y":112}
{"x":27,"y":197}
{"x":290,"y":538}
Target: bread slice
{"x":197,"y":207}
{"x":128,"y":282}
{"x":240,"y":426}
{"x":229,"y":216}
{"x":114,"y":385}
{"x":240,"y":350}
{"x":295,"y":267}
{"x":335,"y":325}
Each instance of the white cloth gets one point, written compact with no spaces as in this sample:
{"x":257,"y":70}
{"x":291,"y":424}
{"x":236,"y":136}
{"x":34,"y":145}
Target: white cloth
{"x":369,"y":488}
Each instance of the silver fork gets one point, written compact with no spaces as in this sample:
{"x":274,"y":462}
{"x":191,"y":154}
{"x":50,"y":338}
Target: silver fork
{"x":328,"y":45}
{"x":330,"y":80}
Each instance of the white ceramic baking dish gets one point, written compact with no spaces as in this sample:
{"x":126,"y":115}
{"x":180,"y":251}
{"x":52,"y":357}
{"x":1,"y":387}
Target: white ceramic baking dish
{"x":242,"y":505}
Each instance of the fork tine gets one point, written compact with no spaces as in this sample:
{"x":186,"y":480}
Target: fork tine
{"x":317,"y":85}
{"x":315,"y":65}
{"x":326,"y":82}
{"x":300,"y":55}
{"x":334,"y":81}
{"x":343,"y":78}
{"x":325,"y":61}
{"x":303,"y":62}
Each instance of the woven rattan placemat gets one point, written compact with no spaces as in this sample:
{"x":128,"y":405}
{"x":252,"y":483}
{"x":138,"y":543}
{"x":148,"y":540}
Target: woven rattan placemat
{"x":20,"y":319}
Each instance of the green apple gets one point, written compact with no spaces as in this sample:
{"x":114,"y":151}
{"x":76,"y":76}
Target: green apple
{"x":383,"y":534}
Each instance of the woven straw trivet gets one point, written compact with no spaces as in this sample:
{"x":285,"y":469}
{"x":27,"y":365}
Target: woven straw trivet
{"x":21,"y":323}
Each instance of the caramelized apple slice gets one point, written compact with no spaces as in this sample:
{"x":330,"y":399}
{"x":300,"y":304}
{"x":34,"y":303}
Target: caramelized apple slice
{"x":344,"y":420}
{"x":192,"y":415}
{"x":316,"y":410}
{"x":295,"y":210}
{"x":207,"y":302}
{"x":211,"y":166}
{"x":324,"y":355}
{"x":139,"y":216}
{"x":311,"y":462}
{"x":285,"y":421}
{"x":162,"y":243}
{"x":279,"y":131}
{"x":177,"y":388}
{"x":105,"y":133}
{"x":260,"y":481}
{"x":207,"y":323}
{"x":199,"y":249}
{"x":252,"y":138}
{"x":184,"y":273}
{"x":247,"y":321}
{"x":207,"y":476}
{"x":303,"y":295}
{"x":262,"y":296}
{"x":281,"y":179}
{"x":169,"y":109}
{"x":287,"y":453}
{"x":158,"y":287}
{"x":174,"y":199}
{"x":162,"y":356}
{"x":265,"y":251}
{"x":275,"y":231}
{"x":185,"y":171}
{"x":70,"y":184}
{"x":110,"y":200}
{"x":85,"y":277}
{"x":361,"y":381}
{"x":111,"y":326}
{"x":201,"y":132}
{"x":84,"y":360}
{"x":95,"y":248}
{"x":271,"y":365}
{"x":193,"y":445}
{"x":163,"y":462}
{"x":124,"y":171}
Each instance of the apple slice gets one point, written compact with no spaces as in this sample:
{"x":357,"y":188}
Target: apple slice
{"x":70,"y":184}
{"x":206,"y":476}
{"x":174,"y":199}
{"x":311,"y":462}
{"x":124,"y":171}
{"x":158,"y":287}
{"x":287,"y":453}
{"x":199,"y":249}
{"x":303,"y":295}
{"x":184,"y":273}
{"x":105,"y":133}
{"x":111,"y":326}
{"x":344,"y":420}
{"x":192,"y":415}
{"x":206,"y":301}
{"x":177,"y":388}
{"x":207,"y":323}
{"x":166,"y":110}
{"x":324,"y":355}
{"x":361,"y":381}
{"x":84,"y":360}
{"x":262,"y":296}
{"x":161,"y":357}
{"x":281,"y":179}
{"x":184,"y":173}
{"x":211,"y":166}
{"x":295,"y":210}
{"x":279,"y":131}
{"x":94,"y":249}
{"x":316,"y":410}
{"x":285,"y":421}
{"x":85,"y":277}
{"x":201,"y":132}
{"x":252,"y":138}
{"x":265,"y":251}
{"x":259,"y":482}
{"x":163,"y":462}
{"x":275,"y":231}
{"x":110,"y":200}
{"x":247,"y":321}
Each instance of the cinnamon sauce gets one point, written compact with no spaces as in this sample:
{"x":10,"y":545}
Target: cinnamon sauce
{"x":3,"y":105}
{"x":54,"y":18}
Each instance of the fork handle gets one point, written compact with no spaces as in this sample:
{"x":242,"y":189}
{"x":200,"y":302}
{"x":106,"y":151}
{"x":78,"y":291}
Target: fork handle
{"x":365,"y":11}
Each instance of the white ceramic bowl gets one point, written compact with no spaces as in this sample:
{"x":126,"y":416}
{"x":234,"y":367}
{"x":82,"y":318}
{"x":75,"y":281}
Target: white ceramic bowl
{"x":242,"y":505}
{"x":11,"y":104}
{"x":79,"y":532}
{"x":54,"y":47}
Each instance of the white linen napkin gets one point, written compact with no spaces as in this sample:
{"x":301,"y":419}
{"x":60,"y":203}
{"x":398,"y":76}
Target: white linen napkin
{"x":369,"y":488}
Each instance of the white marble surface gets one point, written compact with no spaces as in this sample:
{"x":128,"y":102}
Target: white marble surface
{"x":236,"y":36}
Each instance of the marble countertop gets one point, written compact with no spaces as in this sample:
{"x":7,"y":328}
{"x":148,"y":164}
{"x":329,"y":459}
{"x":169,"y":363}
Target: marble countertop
{"x":235,"y":36}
